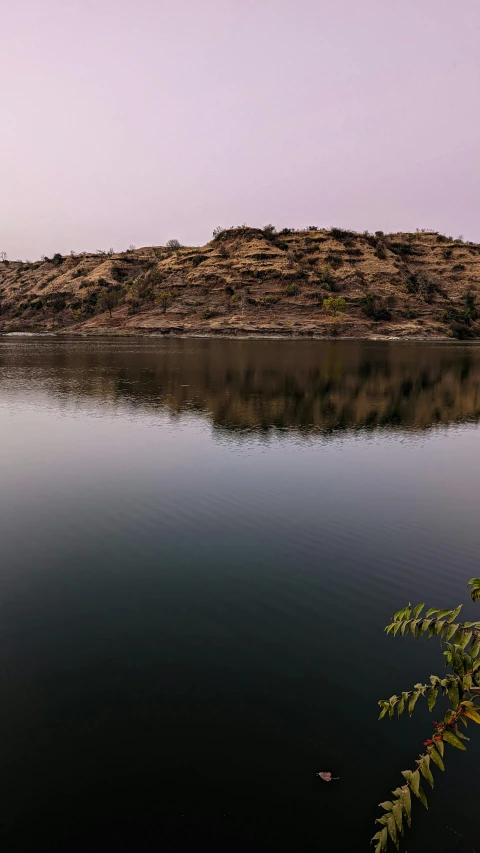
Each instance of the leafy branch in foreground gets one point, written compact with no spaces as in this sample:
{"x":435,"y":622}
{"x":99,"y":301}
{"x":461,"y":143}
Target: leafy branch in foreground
{"x":461,"y":686}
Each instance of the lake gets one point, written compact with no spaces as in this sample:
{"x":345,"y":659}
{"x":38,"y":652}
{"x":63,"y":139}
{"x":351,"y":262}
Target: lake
{"x":202,"y":541}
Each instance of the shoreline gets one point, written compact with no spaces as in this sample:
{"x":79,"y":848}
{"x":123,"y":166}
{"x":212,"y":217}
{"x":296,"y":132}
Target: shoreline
{"x":66,"y":335}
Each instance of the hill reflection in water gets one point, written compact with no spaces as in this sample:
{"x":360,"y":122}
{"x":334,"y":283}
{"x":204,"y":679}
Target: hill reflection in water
{"x":303,"y":386}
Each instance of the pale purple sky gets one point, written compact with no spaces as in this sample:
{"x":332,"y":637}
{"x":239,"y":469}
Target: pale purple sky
{"x":133,"y":122}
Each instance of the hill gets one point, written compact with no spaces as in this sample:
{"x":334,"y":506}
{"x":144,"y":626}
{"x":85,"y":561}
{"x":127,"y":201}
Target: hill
{"x":250,"y":281}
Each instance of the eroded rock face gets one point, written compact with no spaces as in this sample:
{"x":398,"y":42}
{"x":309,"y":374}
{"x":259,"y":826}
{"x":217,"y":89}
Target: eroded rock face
{"x":256,"y":282}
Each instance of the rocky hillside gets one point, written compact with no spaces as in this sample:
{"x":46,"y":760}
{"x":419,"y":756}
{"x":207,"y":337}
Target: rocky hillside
{"x":250,"y":281}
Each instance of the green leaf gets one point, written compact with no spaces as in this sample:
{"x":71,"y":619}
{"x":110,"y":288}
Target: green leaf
{"x":475,"y":648}
{"x":422,"y":797}
{"x":455,"y":613}
{"x":425,"y":625}
{"x":472,"y":715}
{"x":387,"y":805}
{"x":404,"y":626}
{"x":461,"y":735}
{"x":452,"y":691}
{"x":425,"y":769}
{"x":412,"y":702}
{"x":457,"y":662}
{"x":464,"y":638}
{"x":404,"y":613}
{"x":453,"y":740}
{"x":475,"y":590}
{"x":382,"y":837}
{"x":406,"y":802}
{"x":440,"y":746}
{"x":392,"y":830}
{"x":431,"y":611}
{"x":417,"y":610}
{"x":451,"y":630}
{"x":436,"y":758}
{"x":432,"y":697}
{"x":413,"y":626}
{"x":443,"y":613}
{"x":390,"y":628}
{"x":397,"y":813}
{"x":414,"y":782}
{"x":401,"y":705}
{"x":396,"y":628}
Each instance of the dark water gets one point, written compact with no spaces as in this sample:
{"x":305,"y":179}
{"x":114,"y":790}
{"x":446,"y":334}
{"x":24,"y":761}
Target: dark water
{"x":201,"y":542}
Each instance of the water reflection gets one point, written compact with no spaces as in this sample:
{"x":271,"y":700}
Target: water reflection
{"x":174,"y":659}
{"x":306,"y":386}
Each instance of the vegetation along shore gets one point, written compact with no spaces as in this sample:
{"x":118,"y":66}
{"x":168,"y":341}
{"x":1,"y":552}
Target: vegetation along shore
{"x":255,"y":282}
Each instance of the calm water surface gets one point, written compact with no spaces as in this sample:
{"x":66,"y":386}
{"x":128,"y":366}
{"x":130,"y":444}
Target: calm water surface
{"x":201,"y":542}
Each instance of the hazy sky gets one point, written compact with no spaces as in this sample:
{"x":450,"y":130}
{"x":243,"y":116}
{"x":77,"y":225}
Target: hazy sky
{"x":133,"y":121}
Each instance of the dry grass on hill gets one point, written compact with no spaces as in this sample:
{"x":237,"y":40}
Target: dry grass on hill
{"x":250,"y":281}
